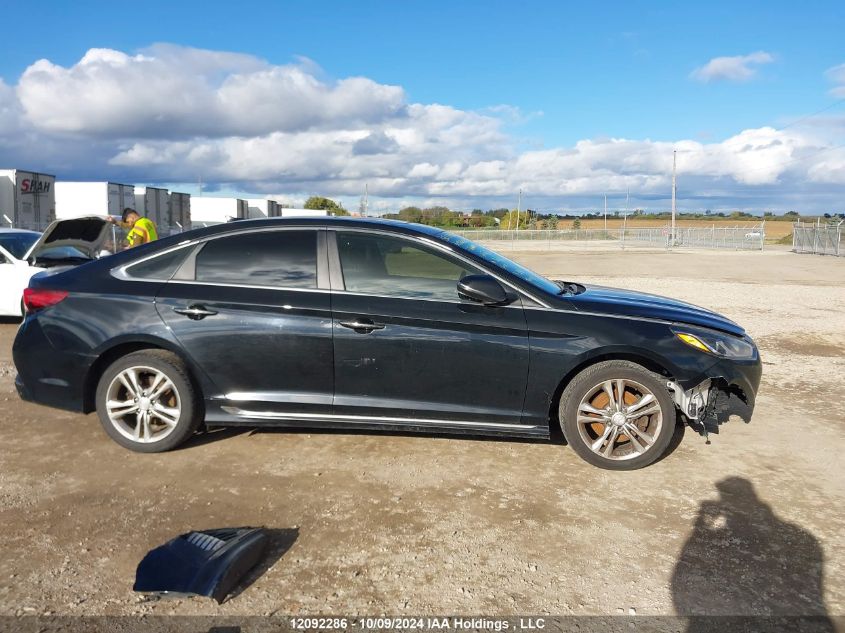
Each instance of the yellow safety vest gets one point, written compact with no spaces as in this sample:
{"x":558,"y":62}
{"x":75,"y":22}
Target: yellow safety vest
{"x":144,"y":231}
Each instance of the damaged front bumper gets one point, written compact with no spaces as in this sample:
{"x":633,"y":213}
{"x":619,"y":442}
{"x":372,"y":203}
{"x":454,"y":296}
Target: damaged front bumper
{"x":730,"y":389}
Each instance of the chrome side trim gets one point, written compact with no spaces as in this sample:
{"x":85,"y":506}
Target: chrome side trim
{"x":274,"y":396}
{"x":359,"y":419}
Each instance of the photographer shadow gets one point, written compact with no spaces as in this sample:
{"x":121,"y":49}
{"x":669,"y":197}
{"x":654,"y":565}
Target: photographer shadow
{"x":743,"y":561}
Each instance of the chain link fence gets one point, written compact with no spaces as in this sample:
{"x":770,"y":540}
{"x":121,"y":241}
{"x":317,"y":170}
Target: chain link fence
{"x":817,"y":239}
{"x":734,"y":238}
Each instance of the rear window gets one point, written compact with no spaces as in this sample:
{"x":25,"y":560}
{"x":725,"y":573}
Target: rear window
{"x":160,"y":267}
{"x":284,"y":259}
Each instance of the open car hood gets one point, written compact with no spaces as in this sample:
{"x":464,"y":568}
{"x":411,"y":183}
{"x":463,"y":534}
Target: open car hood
{"x":87,"y":234}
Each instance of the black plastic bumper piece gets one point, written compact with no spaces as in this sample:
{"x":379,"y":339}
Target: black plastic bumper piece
{"x":208,"y":563}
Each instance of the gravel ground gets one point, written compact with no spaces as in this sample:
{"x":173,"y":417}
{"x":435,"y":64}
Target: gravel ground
{"x":379,"y":523}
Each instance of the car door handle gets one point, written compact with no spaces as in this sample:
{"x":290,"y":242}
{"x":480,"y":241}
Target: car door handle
{"x":195,"y":312}
{"x":362,"y":325}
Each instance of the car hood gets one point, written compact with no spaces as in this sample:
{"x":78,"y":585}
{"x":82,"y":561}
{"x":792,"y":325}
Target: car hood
{"x":640,"y":304}
{"x":87,"y":234}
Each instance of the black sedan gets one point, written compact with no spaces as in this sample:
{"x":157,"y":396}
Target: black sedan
{"x":368,"y":324}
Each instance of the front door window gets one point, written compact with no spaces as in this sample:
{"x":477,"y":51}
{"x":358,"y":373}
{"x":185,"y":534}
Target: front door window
{"x":393,"y":267}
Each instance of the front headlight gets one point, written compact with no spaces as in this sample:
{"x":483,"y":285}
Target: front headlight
{"x":723,"y":345}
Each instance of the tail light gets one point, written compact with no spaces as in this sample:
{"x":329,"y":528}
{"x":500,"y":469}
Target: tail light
{"x":35,"y":299}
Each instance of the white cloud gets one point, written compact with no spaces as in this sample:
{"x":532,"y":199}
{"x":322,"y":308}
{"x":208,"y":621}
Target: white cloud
{"x":171,"y":114}
{"x":176,"y":91}
{"x":9,"y":110}
{"x":329,"y":161}
{"x":738,"y":68}
{"x":837,"y":76}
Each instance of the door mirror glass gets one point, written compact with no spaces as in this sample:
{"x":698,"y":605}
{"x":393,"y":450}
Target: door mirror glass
{"x":484,"y":289}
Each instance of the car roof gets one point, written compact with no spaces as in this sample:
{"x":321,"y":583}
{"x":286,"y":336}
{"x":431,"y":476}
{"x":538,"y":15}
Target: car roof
{"x":326,"y":221}
{"x":322,"y":219}
{"x":24,"y":231}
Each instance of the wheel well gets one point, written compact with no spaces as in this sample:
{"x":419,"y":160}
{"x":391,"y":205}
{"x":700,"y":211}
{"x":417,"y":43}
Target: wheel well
{"x":110,"y":356}
{"x":648,"y":363}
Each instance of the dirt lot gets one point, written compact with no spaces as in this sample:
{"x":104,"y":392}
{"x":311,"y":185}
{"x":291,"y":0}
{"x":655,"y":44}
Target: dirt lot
{"x":396,"y":524}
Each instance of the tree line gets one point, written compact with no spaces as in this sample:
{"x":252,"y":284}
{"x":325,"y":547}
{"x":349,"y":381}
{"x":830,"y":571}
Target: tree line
{"x":442,"y":216}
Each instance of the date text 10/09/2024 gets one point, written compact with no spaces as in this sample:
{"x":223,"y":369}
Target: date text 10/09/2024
{"x":418,"y":623}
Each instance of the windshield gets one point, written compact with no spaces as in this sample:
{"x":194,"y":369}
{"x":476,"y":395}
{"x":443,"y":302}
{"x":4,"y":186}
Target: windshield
{"x":536,"y":280}
{"x":18,"y":243}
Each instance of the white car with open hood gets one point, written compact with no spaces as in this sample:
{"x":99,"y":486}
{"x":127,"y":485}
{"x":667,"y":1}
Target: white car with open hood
{"x":63,"y":243}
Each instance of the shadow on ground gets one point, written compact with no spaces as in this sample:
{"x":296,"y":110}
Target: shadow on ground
{"x":279,"y":542}
{"x":743,"y":560}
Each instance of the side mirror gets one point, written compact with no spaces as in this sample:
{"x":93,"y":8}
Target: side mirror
{"x":484,"y":289}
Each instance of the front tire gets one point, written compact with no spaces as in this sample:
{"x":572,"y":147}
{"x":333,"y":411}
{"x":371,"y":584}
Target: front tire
{"x":147,"y":403}
{"x":617,"y":415}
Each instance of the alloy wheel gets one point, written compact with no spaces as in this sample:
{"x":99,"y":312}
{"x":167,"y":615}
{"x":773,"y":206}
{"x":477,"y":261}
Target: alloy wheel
{"x":143,"y":404}
{"x":619,"y":419}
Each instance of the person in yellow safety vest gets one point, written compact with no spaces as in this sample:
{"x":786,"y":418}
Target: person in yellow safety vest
{"x":141,"y":230}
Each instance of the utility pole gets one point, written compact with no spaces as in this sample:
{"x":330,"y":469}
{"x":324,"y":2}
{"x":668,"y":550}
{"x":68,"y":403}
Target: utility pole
{"x":605,"y":216}
{"x":674,"y":189}
{"x":625,"y":217}
{"x":518,"y":208}
{"x":365,"y":202}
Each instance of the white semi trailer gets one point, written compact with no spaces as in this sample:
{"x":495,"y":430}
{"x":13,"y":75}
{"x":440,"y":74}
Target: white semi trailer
{"x":262,"y":208}
{"x":217,"y":210}
{"x":78,"y":199}
{"x":180,"y":211}
{"x":27,"y":199}
{"x":154,"y":202}
{"x":303,"y":213}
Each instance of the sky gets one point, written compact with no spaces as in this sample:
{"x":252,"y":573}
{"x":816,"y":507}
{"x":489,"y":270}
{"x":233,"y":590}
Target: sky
{"x":455,"y":103}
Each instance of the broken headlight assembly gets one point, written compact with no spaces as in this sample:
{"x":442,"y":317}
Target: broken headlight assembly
{"x":718,"y":343}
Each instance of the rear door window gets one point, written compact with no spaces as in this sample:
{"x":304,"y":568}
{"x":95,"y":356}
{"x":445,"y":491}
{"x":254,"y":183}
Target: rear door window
{"x":283,"y":259}
{"x":160,"y":267}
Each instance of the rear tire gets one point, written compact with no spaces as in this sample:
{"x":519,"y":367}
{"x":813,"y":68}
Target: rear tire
{"x":613,"y":431}
{"x":147,"y":403}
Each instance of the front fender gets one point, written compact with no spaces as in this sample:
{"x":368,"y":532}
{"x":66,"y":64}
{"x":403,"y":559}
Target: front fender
{"x":562,"y":343}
